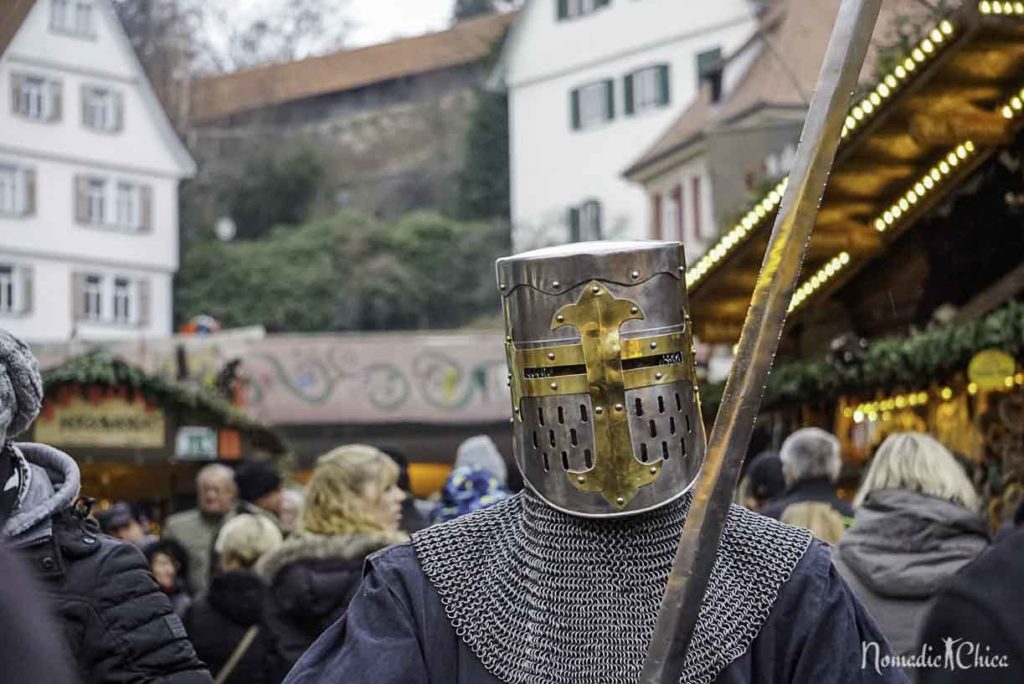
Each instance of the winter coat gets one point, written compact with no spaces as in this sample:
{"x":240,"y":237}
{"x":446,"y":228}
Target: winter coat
{"x":984,"y":606}
{"x":902,"y":549}
{"x":312,"y":578}
{"x":195,"y":531}
{"x":815,"y":489}
{"x":117,"y":624}
{"x":217,"y":621}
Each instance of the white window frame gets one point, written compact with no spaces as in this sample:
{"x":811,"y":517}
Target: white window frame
{"x":102,"y":106}
{"x":13,"y":198}
{"x":127,"y":204}
{"x":96,"y":200}
{"x":34,"y":97}
{"x":92,"y":294}
{"x":590,"y":220}
{"x":73,"y":18}
{"x":647,"y":93}
{"x":10,"y":290}
{"x":124,"y":304}
{"x":579,"y":8}
{"x":593,"y":104}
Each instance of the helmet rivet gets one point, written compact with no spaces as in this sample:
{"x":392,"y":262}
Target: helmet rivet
{"x":551,"y":356}
{"x":501,"y":286}
{"x":654,"y":470}
{"x":618,"y":407}
{"x":581,"y":479}
{"x":554,"y":385}
{"x":560,"y":318}
{"x":598,"y":410}
{"x":508,"y":383}
{"x":512,"y":420}
{"x":596,"y":289}
{"x":516,"y":410}
{"x":620,"y":501}
{"x":635,"y":274}
{"x":556,"y":284}
{"x":659,"y":376}
{"x":508,"y":338}
{"x":634,"y":310}
{"x":682,"y":268}
{"x":654,"y":345}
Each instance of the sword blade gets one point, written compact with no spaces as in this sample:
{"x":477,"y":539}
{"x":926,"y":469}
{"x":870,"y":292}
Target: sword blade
{"x":759,"y":340}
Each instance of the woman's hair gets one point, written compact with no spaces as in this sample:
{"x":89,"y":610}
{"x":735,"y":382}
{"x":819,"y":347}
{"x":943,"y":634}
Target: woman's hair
{"x":810,"y":453}
{"x":335,"y":494}
{"x":246,"y":537}
{"x":918,"y":462}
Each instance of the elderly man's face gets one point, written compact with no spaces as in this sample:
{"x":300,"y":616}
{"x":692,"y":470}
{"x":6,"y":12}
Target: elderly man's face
{"x":216,"y":494}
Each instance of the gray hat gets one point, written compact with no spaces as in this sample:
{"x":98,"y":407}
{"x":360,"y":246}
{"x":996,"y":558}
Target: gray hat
{"x":21,"y":387}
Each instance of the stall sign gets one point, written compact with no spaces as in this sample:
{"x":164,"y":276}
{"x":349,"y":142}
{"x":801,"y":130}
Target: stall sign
{"x":108,"y":422}
{"x":990,"y":368}
{"x":196,"y":443}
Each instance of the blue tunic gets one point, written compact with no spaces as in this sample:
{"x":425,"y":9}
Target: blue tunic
{"x":396,"y":632}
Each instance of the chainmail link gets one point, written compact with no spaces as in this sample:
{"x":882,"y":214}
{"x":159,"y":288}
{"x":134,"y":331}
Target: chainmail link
{"x":541,"y":597}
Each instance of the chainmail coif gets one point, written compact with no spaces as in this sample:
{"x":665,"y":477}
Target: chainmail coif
{"x":542,"y":597}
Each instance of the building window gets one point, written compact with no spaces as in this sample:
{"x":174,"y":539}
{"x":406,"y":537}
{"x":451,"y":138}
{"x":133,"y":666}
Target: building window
{"x":17,"y":190}
{"x":585,"y":221}
{"x":122,"y":300}
{"x":102,"y":109}
{"x":592,"y":104}
{"x":35,"y":97}
{"x":647,"y":89}
{"x":8,"y":290}
{"x":709,"y":68}
{"x":672,"y":221}
{"x":570,"y":9}
{"x":73,"y":17}
{"x":110,"y":203}
{"x":657,"y":232}
{"x":92,"y":303}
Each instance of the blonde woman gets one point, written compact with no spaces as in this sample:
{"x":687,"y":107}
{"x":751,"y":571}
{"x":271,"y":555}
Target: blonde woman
{"x":219,"y":620}
{"x":353,"y":507}
{"x":916,"y":525}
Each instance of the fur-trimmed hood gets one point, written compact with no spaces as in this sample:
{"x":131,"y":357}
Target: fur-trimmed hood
{"x":51,"y":485}
{"x":306,"y":546}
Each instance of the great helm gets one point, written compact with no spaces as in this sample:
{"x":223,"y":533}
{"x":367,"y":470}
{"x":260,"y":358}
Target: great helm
{"x":606,"y":418}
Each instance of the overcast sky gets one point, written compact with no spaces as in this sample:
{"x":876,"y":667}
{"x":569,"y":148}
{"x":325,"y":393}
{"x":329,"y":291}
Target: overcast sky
{"x":376,"y":21}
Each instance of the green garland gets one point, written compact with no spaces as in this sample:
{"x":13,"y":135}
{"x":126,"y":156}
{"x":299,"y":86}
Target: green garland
{"x":892,"y":364}
{"x":99,"y":367}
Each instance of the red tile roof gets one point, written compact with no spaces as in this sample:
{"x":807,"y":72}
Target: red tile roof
{"x":468,"y":41}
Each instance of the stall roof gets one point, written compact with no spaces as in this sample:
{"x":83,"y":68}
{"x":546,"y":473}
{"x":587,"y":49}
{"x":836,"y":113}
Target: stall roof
{"x":951,"y":103}
{"x":100,"y":368}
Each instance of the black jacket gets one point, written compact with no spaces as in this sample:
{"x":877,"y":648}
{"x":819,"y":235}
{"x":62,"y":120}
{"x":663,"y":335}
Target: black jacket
{"x":983,"y":609}
{"x":116,"y":623}
{"x":312,"y":578}
{"x":217,"y":622}
{"x":814,"y":489}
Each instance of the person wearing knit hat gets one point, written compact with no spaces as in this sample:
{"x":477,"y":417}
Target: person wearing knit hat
{"x":481,"y":452}
{"x":117,"y":625}
{"x":259,"y":484}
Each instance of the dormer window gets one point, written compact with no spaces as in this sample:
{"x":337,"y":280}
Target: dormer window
{"x":570,"y":9}
{"x":102,"y":109}
{"x":72,"y":17}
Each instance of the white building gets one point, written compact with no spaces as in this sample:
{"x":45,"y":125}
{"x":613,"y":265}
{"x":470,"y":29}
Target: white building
{"x":592,"y":83}
{"x":89,"y":173}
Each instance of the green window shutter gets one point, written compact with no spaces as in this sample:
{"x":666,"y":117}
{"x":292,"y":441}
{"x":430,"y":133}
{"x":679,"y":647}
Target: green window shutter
{"x":574,"y":224}
{"x":602,"y":3}
{"x":574,"y":102}
{"x":627,"y":87}
{"x":563,"y":9}
{"x":609,"y":91}
{"x":664,"y":96}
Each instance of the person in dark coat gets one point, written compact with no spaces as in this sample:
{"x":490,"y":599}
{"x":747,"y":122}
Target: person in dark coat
{"x":218,"y":621}
{"x":353,"y":508}
{"x":810,"y":464}
{"x":30,"y":649}
{"x":168,"y":561}
{"x":117,"y":625}
{"x":982,"y":608}
{"x":763,"y":482}
{"x":916,"y":526}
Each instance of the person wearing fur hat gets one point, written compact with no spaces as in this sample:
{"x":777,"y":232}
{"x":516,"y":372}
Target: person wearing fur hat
{"x":117,"y":625}
{"x":353,"y":507}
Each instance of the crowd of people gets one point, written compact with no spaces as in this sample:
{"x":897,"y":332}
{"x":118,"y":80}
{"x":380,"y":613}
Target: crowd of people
{"x":239,"y":588}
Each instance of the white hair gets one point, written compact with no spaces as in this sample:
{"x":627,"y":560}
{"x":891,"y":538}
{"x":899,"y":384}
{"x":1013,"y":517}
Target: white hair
{"x":809,"y":453}
{"x":918,"y":462}
{"x":247,"y":538}
{"x":214,"y":471}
